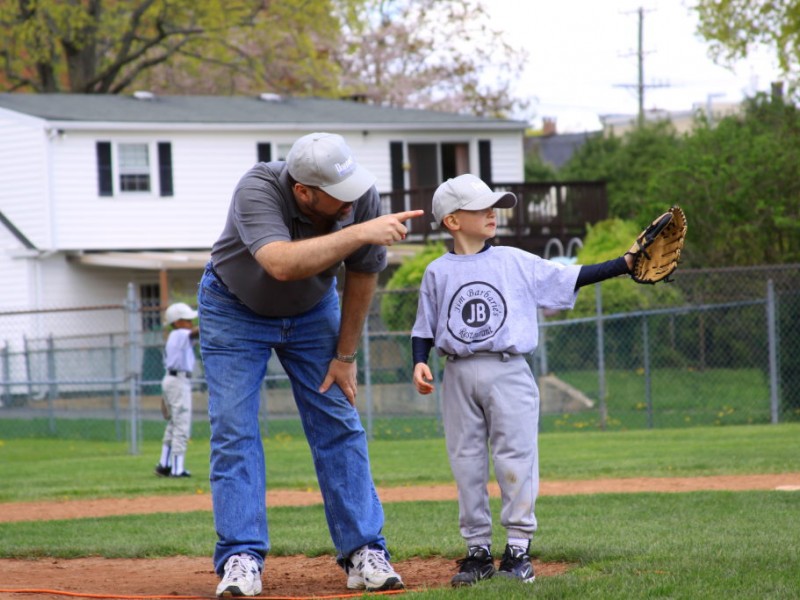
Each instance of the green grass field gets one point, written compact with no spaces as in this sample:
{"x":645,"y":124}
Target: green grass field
{"x":679,"y":545}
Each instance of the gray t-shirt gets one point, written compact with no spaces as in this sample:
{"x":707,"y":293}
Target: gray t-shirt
{"x":486,"y":302}
{"x":263,"y":210}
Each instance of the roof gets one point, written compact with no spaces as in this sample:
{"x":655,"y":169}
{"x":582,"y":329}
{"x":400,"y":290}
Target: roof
{"x":556,"y":150}
{"x":268,"y":110}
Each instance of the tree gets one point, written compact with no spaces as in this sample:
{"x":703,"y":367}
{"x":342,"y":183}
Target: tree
{"x":432,"y":54}
{"x":738,"y":183}
{"x":625,"y":163}
{"x":536,"y":170}
{"x":736,"y":27}
{"x":106,"y":46}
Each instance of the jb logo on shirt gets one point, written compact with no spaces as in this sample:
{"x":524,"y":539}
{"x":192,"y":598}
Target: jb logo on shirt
{"x":476,"y":312}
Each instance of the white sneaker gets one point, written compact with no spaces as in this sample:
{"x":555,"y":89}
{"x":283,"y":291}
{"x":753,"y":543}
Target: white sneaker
{"x":370,"y":570}
{"x":242,"y":577}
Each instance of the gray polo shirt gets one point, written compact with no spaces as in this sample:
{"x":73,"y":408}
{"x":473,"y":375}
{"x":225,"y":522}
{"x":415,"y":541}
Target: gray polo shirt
{"x":263,"y":210}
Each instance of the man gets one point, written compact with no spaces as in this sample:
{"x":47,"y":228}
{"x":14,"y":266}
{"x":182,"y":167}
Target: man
{"x":271,"y":286}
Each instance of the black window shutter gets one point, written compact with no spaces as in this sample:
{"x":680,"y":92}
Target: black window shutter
{"x":165,"y":168}
{"x":264,"y":150}
{"x":396,"y":156}
{"x":485,"y":161}
{"x":105,"y":185}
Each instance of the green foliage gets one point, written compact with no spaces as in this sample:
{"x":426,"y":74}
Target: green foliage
{"x":737,"y":27}
{"x":399,"y":310}
{"x":625,"y":163}
{"x":738,"y":184}
{"x":536,"y":170}
{"x":106,"y":46}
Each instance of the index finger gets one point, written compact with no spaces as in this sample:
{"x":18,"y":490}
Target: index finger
{"x":409,"y":214}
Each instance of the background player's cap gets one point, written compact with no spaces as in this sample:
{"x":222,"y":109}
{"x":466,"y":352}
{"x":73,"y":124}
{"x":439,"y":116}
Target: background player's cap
{"x":467,"y":192}
{"x":178,"y":311}
{"x":325,"y":161}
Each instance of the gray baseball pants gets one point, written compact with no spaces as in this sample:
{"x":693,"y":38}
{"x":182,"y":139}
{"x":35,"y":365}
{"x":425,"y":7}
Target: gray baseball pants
{"x":177,"y":390}
{"x":492,"y":397}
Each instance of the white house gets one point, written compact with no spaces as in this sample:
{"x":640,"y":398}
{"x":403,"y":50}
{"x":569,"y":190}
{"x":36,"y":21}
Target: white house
{"x":100,"y":190}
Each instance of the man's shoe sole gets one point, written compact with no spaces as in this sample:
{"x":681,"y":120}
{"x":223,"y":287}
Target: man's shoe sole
{"x":393,"y":583}
{"x":233,"y":591}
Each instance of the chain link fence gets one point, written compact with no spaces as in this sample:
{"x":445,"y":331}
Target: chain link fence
{"x":725,"y":350}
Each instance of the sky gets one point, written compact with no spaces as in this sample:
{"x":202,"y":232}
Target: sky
{"x":582,"y":59}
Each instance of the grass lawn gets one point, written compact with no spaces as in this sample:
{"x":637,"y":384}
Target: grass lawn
{"x":650,"y":545}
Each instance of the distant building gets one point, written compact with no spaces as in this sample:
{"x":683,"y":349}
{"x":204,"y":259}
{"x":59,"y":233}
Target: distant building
{"x":553,"y":148}
{"x":682,"y":120}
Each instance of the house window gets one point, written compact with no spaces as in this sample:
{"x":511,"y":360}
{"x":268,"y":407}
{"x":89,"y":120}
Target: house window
{"x":134,"y":168}
{"x":128,"y":168}
{"x":283,"y":151}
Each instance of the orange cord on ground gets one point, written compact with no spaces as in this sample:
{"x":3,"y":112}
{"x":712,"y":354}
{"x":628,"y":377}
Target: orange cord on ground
{"x":174,"y":597}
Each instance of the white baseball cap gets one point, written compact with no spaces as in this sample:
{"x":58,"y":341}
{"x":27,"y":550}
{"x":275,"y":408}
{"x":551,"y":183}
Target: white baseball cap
{"x":467,"y":192}
{"x":325,"y":161}
{"x":178,"y":311}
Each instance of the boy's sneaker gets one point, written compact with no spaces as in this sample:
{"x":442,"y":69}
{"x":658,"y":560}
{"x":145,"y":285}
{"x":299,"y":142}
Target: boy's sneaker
{"x":162,"y":471}
{"x":516,"y":564}
{"x":184,"y":474}
{"x":478,"y":564}
{"x":368,"y":569}
{"x":242,"y":577}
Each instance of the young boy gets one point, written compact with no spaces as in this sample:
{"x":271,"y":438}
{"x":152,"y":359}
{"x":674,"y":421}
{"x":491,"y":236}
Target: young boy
{"x":477,"y":306}
{"x":177,"y":389}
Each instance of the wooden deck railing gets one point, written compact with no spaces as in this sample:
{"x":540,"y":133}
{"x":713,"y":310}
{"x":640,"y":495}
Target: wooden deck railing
{"x":544,"y":212}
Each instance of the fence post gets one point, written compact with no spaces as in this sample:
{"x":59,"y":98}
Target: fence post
{"x":28,"y":367}
{"x":6,"y":398}
{"x":114,"y":386}
{"x":368,"y":377}
{"x":647,"y":374}
{"x":601,"y":357}
{"x":133,"y":369}
{"x":542,"y":349}
{"x":52,"y":389}
{"x":773,"y":352}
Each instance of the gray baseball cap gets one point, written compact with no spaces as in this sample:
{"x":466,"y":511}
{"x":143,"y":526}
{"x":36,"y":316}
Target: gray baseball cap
{"x":325,"y":161}
{"x":467,"y":192}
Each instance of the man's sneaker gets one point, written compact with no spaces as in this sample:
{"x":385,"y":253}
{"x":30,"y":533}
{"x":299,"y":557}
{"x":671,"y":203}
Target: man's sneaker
{"x":162,"y":471}
{"x":478,"y":564}
{"x":369,"y":569}
{"x":242,"y":577}
{"x":516,"y":564}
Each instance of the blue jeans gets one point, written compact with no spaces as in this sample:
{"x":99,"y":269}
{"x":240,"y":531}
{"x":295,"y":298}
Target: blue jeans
{"x":236,"y":345}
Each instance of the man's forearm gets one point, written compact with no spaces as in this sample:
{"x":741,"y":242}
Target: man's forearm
{"x":359,"y":289}
{"x":290,"y":261}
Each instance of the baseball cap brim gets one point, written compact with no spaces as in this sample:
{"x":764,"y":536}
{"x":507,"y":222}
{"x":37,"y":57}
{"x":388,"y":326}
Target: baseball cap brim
{"x":495,"y":199}
{"x":352,"y":188}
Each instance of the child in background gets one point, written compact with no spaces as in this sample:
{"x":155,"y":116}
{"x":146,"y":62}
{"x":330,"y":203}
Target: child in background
{"x":477,"y":306}
{"x":177,"y":389}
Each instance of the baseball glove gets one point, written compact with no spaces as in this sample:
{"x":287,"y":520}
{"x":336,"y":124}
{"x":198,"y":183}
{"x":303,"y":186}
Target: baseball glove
{"x":657,"y":250}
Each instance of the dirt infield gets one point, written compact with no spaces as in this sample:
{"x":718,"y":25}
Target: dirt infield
{"x":284,"y":577}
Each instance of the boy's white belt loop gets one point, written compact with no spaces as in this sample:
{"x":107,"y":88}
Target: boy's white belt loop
{"x":503,"y":356}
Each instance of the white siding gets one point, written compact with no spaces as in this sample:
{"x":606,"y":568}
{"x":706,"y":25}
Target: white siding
{"x":508,"y":160}
{"x":24,"y":176}
{"x":205,"y":170}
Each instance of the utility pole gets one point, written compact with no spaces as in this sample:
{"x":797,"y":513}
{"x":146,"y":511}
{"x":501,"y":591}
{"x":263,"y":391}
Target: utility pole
{"x":640,"y":85}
